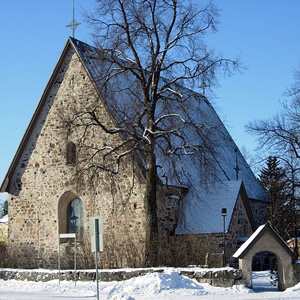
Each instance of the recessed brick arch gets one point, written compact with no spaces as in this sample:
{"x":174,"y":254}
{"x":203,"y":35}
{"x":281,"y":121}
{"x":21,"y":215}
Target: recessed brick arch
{"x":265,"y":238}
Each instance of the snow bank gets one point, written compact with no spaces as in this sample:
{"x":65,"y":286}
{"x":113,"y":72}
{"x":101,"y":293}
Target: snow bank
{"x":159,"y":286}
{"x":167,"y":285}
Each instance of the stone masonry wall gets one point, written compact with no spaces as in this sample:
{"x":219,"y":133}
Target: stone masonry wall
{"x":43,"y":177}
{"x":206,"y":249}
{"x":240,"y":228}
{"x":168,"y":203}
{"x":214,"y":277}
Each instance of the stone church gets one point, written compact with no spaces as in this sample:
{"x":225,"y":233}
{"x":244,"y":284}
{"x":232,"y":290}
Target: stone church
{"x":45,"y":200}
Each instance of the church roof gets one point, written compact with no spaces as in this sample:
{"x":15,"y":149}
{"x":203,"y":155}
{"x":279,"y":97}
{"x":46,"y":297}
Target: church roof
{"x":211,"y":196}
{"x":204,"y":201}
{"x":203,"y":214}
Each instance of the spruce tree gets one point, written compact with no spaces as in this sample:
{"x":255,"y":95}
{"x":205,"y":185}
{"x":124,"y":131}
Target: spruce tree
{"x":4,"y":209}
{"x":274,"y":182}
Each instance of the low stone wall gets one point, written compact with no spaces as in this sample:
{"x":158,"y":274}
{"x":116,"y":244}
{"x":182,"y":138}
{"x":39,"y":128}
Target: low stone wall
{"x":214,"y":277}
{"x":219,"y":278}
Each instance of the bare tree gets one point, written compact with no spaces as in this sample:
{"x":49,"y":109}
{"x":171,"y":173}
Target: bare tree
{"x":149,"y":51}
{"x":282,"y":132}
{"x":280,"y":136}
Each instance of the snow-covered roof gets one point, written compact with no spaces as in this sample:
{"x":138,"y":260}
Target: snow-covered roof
{"x":249,"y":241}
{"x":293,"y":239}
{"x":204,"y":200}
{"x":203,"y":213}
{"x":4,"y":220}
{"x":256,"y":235}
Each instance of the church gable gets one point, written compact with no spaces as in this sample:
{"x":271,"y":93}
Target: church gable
{"x":241,"y":223}
{"x":41,"y":145}
{"x":45,"y":192}
{"x":69,"y":87}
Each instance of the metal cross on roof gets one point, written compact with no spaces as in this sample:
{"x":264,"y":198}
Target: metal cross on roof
{"x":237,"y":169}
{"x":203,"y":86}
{"x":73,"y":23}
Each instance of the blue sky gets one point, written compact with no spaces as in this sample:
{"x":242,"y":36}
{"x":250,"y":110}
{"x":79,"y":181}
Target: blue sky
{"x":264,"y":33}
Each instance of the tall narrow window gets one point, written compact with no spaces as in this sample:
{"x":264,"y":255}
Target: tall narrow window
{"x":71,"y":153}
{"x":75,"y":218}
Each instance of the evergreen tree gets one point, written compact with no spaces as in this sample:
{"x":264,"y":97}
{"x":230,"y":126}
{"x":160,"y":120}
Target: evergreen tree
{"x":4,"y":209}
{"x":274,"y":182}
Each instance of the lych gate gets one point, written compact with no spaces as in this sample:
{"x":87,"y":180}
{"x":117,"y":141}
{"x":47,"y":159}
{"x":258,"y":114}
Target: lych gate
{"x":265,"y":238}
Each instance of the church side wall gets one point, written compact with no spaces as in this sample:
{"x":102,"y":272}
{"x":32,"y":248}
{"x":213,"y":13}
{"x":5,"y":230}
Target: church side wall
{"x":43,"y":177}
{"x":205,"y":249}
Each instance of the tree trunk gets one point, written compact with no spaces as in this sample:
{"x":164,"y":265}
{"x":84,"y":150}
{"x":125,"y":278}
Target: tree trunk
{"x":150,"y":200}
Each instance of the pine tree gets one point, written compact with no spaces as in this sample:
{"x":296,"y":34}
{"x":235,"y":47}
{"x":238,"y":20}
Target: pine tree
{"x":274,"y":182}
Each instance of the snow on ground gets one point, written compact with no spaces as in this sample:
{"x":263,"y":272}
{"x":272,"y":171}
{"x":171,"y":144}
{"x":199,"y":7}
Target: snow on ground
{"x":153,"y":286}
{"x":4,"y":219}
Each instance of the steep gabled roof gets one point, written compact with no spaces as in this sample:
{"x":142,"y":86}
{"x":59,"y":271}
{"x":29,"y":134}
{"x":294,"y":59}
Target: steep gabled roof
{"x":227,"y":153}
{"x":255,"y":237}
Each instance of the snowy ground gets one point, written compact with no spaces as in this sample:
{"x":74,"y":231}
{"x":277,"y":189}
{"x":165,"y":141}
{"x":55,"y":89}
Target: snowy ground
{"x":153,"y":286}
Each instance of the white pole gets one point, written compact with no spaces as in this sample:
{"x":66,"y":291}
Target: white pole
{"x":75,"y":275}
{"x":58,"y":260}
{"x":96,"y":250}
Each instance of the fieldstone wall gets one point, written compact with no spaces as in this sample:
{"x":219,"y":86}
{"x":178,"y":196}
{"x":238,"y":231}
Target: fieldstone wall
{"x":239,"y":230}
{"x":168,"y":204}
{"x":43,"y":177}
{"x":219,"y":278}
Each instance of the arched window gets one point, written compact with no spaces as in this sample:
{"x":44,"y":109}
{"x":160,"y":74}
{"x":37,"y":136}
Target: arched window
{"x":75,"y":218}
{"x":71,"y":153}
{"x":71,"y":215}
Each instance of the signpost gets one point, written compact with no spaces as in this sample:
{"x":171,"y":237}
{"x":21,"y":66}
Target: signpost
{"x":67,"y":236}
{"x":96,"y":233}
